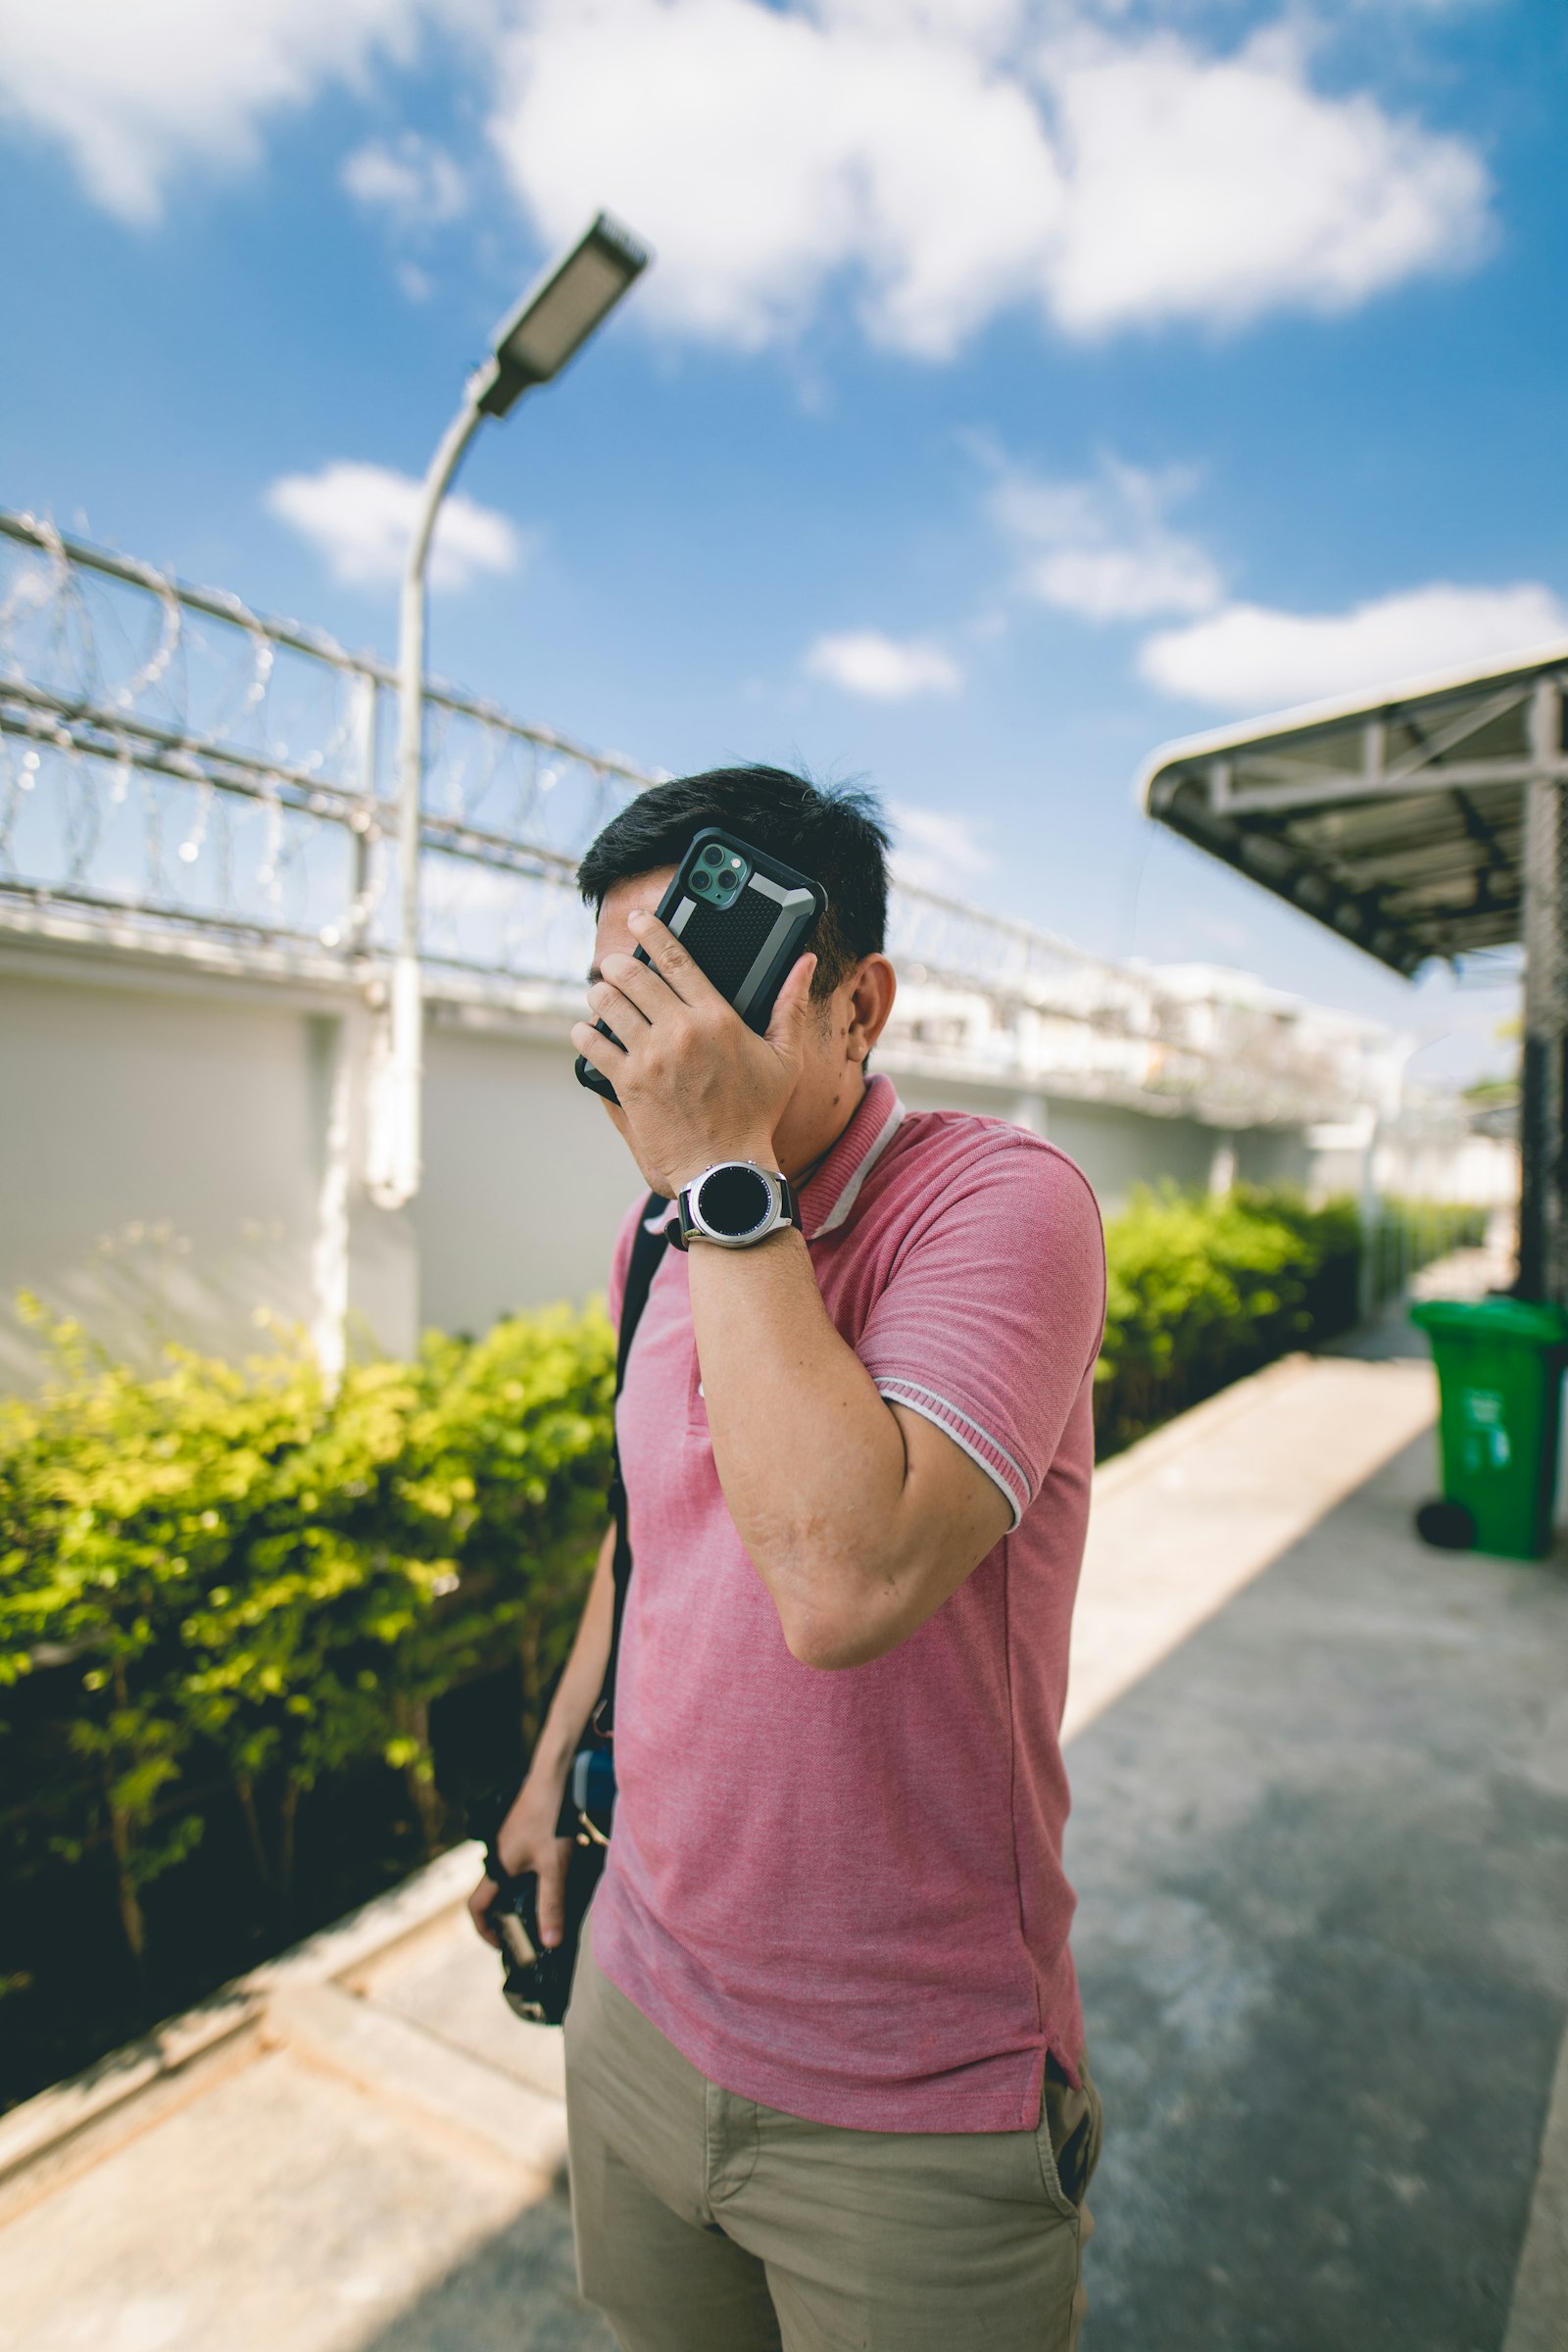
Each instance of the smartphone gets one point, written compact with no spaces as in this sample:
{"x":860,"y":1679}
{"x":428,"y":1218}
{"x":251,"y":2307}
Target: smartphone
{"x":743,"y":916}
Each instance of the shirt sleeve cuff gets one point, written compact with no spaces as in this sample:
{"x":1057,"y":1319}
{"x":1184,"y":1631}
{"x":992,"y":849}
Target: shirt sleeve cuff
{"x":994,"y":1459}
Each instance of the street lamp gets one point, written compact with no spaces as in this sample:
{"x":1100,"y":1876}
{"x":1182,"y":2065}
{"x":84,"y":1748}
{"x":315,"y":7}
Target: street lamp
{"x":548,"y":328}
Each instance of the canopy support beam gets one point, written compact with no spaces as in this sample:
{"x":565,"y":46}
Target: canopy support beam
{"x":1543,"y":1079}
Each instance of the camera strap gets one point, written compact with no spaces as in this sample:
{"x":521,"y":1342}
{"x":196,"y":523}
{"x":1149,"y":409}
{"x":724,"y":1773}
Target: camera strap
{"x":649,"y":1242}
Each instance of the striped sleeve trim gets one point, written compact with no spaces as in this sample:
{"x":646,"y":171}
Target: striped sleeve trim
{"x":997,"y":1462}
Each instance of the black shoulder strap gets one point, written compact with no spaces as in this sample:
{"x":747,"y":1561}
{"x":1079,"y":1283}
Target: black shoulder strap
{"x":647,"y":1249}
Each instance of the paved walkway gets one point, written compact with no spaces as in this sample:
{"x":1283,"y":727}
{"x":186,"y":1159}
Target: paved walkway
{"x":1321,"y":1842}
{"x":1322,"y":1856}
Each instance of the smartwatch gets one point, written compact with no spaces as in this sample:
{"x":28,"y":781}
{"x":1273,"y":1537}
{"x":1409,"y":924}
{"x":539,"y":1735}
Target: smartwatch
{"x":733,"y":1203}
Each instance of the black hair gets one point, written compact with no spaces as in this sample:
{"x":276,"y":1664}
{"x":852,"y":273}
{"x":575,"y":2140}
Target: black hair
{"x":835,"y":833}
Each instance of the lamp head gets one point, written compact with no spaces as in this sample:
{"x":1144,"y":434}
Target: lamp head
{"x":559,"y":313}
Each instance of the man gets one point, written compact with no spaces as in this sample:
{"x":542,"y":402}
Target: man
{"x":824,"y":2054}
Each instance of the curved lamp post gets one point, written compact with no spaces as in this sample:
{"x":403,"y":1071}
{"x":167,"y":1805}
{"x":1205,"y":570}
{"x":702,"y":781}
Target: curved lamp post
{"x":551,"y":324}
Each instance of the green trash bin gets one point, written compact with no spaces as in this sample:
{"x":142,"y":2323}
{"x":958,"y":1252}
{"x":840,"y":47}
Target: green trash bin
{"x":1500,"y":1374}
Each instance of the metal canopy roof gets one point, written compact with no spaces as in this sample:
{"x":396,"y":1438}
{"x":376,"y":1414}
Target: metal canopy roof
{"x":1395,"y":818}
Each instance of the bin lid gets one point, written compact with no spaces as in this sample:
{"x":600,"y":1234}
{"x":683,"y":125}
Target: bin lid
{"x":1531,"y":1322}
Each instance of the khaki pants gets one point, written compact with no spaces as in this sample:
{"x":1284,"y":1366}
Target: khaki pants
{"x":706,"y":2223}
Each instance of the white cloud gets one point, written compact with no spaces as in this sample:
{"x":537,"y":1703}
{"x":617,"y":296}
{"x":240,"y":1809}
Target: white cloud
{"x":952,"y":167}
{"x":950,"y":159}
{"x":936,"y":848}
{"x":410,"y":179}
{"x":762,"y":151}
{"x":359,"y":517}
{"x":886,"y":669}
{"x":1247,"y":656}
{"x":1219,"y":188}
{"x":985,"y":23}
{"x":135,"y":88}
{"x":1103,"y":548}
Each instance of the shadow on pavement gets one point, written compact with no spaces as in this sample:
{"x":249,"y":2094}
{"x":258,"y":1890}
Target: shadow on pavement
{"x":518,"y":2292}
{"x":1322,"y":1861}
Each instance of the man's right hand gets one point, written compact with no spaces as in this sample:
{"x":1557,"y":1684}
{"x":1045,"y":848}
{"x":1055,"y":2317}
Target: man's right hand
{"x":528,"y":1841}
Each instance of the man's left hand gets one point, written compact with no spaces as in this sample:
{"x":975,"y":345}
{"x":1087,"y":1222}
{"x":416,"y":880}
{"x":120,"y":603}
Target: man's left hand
{"x":695,"y":1082}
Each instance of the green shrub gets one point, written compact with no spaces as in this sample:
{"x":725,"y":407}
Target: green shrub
{"x":1406,"y":1235}
{"x":241,"y":1578}
{"x":1204,"y":1289}
{"x":247,"y":1571}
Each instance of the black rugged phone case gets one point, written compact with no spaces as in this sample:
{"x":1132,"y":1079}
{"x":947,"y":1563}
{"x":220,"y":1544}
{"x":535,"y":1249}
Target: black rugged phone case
{"x":745,"y":950}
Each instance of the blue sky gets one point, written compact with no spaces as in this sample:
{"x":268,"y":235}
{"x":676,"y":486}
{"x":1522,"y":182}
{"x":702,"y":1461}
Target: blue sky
{"x":1019,"y":382}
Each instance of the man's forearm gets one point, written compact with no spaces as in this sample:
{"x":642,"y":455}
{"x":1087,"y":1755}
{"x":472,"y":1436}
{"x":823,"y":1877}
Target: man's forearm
{"x":811,"y":1460}
{"x":581,"y":1680}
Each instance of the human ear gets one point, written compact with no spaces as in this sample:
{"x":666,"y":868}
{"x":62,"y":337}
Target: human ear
{"x":872,"y":987}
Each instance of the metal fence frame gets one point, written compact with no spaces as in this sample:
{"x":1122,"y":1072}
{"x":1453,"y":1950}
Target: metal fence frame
{"x":99,"y":690}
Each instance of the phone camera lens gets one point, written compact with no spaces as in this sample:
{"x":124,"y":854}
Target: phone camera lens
{"x":713,"y":854}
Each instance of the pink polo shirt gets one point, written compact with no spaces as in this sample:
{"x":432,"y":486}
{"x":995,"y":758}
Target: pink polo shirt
{"x":841,"y":1894}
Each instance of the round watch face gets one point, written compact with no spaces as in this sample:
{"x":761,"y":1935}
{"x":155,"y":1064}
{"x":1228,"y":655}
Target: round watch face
{"x":734,"y":1201}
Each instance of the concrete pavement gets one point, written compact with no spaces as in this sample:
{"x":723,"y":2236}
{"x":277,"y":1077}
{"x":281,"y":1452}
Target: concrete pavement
{"x":1321,"y":1842}
{"x":1322,"y":1859}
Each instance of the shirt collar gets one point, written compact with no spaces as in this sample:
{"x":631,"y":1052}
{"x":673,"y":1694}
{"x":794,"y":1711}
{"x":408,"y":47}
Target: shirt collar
{"x":827,"y":1199}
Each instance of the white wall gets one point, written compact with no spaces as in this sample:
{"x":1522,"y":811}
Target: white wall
{"x":1117,"y":1148}
{"x":166,"y":1161}
{"x":525,"y":1179}
{"x":158,"y":1163}
{"x":179,"y":1150}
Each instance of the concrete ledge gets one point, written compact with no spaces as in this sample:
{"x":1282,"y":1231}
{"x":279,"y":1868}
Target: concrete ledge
{"x":68,"y":2128}
{"x":378,"y":1927}
{"x":65,"y":2129}
{"x":404,"y":2065}
{"x":1203,"y":1420}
